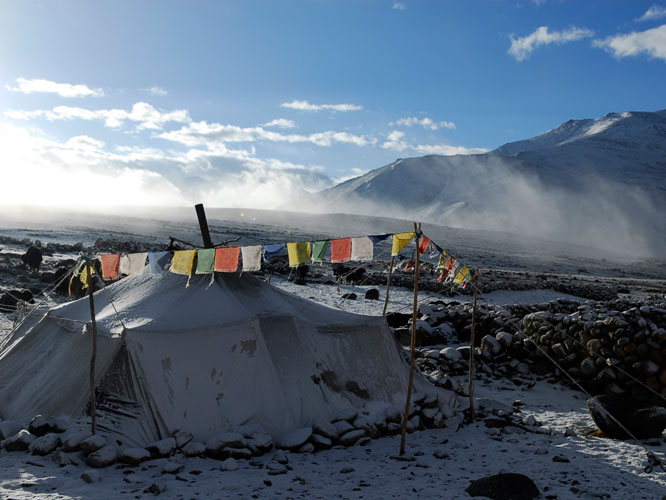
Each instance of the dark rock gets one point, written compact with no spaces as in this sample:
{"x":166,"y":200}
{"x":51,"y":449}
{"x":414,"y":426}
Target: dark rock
{"x":44,"y":445}
{"x":18,"y":442}
{"x":507,"y":486}
{"x":10,"y":298}
{"x":350,"y":296}
{"x":642,"y":421}
{"x":41,"y":425}
{"x":396,"y":320}
{"x":372,"y":294}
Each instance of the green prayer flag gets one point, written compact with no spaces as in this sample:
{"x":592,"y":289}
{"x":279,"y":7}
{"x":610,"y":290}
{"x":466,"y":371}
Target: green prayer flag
{"x":205,"y":261}
{"x":319,"y":250}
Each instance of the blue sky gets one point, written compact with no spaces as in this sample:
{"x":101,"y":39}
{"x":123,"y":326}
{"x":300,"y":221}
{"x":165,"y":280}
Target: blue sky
{"x":247,"y":102}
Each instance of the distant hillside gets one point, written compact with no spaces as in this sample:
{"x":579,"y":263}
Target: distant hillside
{"x":598,"y":182}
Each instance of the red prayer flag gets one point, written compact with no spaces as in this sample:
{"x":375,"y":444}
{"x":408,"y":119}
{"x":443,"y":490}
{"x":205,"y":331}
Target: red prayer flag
{"x":425,"y":241}
{"x":110,"y":263}
{"x":226,"y":259}
{"x":341,"y":250}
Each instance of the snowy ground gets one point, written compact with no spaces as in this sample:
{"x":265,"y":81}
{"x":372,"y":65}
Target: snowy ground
{"x":444,"y":460}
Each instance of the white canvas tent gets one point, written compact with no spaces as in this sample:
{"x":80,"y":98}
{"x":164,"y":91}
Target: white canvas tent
{"x":201,"y":359}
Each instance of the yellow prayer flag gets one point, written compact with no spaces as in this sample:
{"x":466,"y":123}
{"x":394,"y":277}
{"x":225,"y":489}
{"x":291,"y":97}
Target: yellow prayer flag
{"x":299,"y":253}
{"x":400,"y":241}
{"x":462,"y":275}
{"x":183,"y":261}
{"x":83,"y":277}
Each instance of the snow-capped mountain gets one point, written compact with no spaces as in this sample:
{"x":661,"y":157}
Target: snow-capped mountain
{"x":597,"y":182}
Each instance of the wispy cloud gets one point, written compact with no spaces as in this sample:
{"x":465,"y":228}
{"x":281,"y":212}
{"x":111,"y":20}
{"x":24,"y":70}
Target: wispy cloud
{"x":157,"y":91}
{"x":398,"y":6}
{"x":203,"y":133}
{"x":145,"y":115}
{"x":39,"y":85}
{"x":426,"y":123}
{"x":280,"y":123}
{"x":651,"y":42}
{"x":306,"y":106}
{"x":654,"y":12}
{"x":521,"y":48}
{"x":395,"y":141}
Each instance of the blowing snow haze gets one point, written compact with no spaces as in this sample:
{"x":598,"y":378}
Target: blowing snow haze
{"x":595,"y":182}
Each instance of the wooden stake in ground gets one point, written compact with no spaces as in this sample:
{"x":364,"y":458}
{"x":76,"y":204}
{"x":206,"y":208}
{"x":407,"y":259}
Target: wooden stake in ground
{"x":417,"y":231}
{"x":388,"y":285}
{"x":93,"y":355}
{"x":471,"y":348}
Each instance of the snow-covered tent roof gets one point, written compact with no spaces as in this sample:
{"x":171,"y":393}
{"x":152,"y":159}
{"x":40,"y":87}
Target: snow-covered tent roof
{"x":204,"y":358}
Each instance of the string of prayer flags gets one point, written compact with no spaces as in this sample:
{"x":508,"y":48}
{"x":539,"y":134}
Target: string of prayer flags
{"x":299,"y":253}
{"x":159,"y":261}
{"x":341,"y":250}
{"x":226,"y":259}
{"x":183,"y":262}
{"x":252,"y":257}
{"x":376,"y":238}
{"x":400,"y":241}
{"x":362,"y":249}
{"x":205,"y":261}
{"x":110,"y":264}
{"x":132,"y":263}
{"x":271,"y":251}
{"x":319,"y":250}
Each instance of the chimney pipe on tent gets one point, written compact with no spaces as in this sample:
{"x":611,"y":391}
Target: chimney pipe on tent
{"x":203,"y":225}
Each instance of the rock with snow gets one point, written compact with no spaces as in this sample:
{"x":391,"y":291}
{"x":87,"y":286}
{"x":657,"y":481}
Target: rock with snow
{"x":342,"y":427}
{"x":640,"y":420}
{"x":45,"y":444}
{"x":105,"y":456}
{"x":504,"y":338}
{"x":450,"y":353}
{"x":507,"y":486}
{"x":294,"y":439}
{"x":41,"y":425}
{"x":229,"y":465}
{"x":216,"y":444}
{"x":71,"y":441}
{"x":9,"y":428}
{"x":351,"y":437}
{"x":321,"y":442}
{"x":491,"y":345}
{"x":182,"y":438}
{"x":133,"y":456}
{"x":164,"y":448}
{"x":18,"y":442}
{"x":307,"y":448}
{"x":347,"y":414}
{"x":90,"y":476}
{"x":194,"y":449}
{"x":276,"y":469}
{"x":92,"y":444}
{"x":259,"y":442}
{"x":281,"y":457}
{"x":325,"y":428}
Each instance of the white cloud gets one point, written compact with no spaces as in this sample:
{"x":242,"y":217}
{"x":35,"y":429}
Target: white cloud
{"x":521,"y":48}
{"x":280,"y":123}
{"x":394,"y":141}
{"x":203,"y":133}
{"x":446,"y":150}
{"x":145,"y":115}
{"x":39,"y":85}
{"x":131,"y":176}
{"x":651,"y":42}
{"x":306,"y":106}
{"x":157,"y":91}
{"x":426,"y":123}
{"x":654,"y":12}
{"x":398,"y":6}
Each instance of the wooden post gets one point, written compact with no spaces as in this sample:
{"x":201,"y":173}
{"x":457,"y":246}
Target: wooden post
{"x":203,"y":225}
{"x":388,"y":285}
{"x":417,"y":230}
{"x":471,"y":348}
{"x":93,"y":355}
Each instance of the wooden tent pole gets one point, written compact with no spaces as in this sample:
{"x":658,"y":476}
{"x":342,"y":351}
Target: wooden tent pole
{"x":203,"y":225}
{"x":93,"y":355}
{"x":417,"y":230}
{"x":471,"y":348}
{"x":388,"y":285}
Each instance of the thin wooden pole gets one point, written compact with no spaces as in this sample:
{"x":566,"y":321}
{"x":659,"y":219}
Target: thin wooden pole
{"x":471,"y":349}
{"x":417,"y":230}
{"x":388,"y":285}
{"x":93,"y":355}
{"x":203,"y":225}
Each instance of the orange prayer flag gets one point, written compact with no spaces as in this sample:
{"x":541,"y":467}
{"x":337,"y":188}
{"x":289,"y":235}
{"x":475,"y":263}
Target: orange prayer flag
{"x":226,"y":259}
{"x":423,"y":246}
{"x":341,"y":250}
{"x":110,"y":263}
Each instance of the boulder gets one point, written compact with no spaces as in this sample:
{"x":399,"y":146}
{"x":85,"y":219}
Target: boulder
{"x":44,"y":445}
{"x":133,"y":456}
{"x":294,"y":439}
{"x":506,"y":486}
{"x":41,"y":425}
{"x":163,"y":448}
{"x":642,"y":421}
{"x":216,"y":444}
{"x":72,"y":441}
{"x":103,"y":457}
{"x":324,"y":428}
{"x":19,"y":442}
{"x":92,"y":444}
{"x":194,"y":449}
{"x":372,"y":294}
